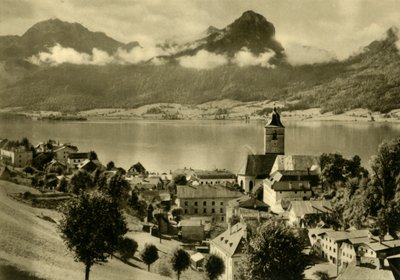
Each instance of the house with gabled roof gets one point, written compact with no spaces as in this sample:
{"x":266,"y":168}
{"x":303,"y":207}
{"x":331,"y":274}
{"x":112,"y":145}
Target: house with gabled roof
{"x":137,"y":169}
{"x":74,"y":159}
{"x":238,"y":206}
{"x":229,"y":247}
{"x":62,"y":152}
{"x":304,"y":212}
{"x":284,"y":186}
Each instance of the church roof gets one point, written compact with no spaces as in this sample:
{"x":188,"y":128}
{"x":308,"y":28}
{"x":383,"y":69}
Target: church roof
{"x":275,"y":119}
{"x":258,"y":166}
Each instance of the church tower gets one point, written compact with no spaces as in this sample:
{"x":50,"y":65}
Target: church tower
{"x":274,"y":136}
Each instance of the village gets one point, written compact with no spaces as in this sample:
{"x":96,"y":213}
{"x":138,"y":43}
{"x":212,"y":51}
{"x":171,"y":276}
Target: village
{"x":213,"y":211}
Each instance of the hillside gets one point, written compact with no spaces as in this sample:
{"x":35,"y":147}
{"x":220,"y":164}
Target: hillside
{"x":369,"y":79}
{"x":33,"y":246}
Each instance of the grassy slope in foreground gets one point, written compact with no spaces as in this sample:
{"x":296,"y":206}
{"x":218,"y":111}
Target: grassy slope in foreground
{"x":34,"y":245}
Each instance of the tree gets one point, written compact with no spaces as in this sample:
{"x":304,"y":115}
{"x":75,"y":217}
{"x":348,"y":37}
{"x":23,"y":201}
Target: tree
{"x":110,"y":165}
{"x":117,"y":188}
{"x":386,"y":169}
{"x":63,"y":185}
{"x":149,"y":255}
{"x":81,"y":181}
{"x":385,"y":185}
{"x":92,"y":155}
{"x":274,"y":253}
{"x":92,"y":227}
{"x":127,"y":248}
{"x":180,"y":261}
{"x":180,"y":179}
{"x":214,"y":267}
{"x":177,"y":213}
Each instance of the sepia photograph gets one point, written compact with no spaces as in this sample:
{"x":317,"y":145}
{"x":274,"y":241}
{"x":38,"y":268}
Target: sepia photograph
{"x":200,"y":139}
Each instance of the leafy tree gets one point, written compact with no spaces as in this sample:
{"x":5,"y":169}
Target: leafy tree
{"x":386,"y":169}
{"x":180,"y":179}
{"x":214,"y":267}
{"x":180,"y":261}
{"x":133,"y":200}
{"x":177,"y":213}
{"x":92,"y":227}
{"x":127,"y":248}
{"x":92,"y":155}
{"x":336,"y":169}
{"x":117,"y":188}
{"x":63,"y":185}
{"x":81,"y":181}
{"x":274,"y":253}
{"x":110,"y":165}
{"x":149,"y":255}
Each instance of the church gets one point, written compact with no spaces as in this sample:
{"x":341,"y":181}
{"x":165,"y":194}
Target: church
{"x":258,"y":167}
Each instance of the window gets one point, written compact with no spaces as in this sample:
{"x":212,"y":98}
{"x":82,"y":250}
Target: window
{"x":186,"y":203}
{"x":213,"y":203}
{"x":195,"y":211}
{"x":195,"y":203}
{"x":222,"y":219}
{"x":204,"y":210}
{"x":213,"y":210}
{"x":186,"y":211}
{"x":222,"y":203}
{"x":204,"y":203}
{"x":275,"y":135}
{"x":221,"y":210}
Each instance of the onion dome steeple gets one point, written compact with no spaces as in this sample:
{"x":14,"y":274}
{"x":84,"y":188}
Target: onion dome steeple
{"x":275,"y":119}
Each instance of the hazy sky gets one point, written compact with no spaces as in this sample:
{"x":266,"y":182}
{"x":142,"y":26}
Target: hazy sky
{"x":341,"y":26}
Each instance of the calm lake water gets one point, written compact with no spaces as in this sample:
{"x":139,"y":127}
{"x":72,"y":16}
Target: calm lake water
{"x":167,"y":145}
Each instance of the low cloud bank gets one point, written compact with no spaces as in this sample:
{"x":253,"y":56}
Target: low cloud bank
{"x":203,"y":60}
{"x":301,"y":55}
{"x":58,"y":54}
{"x":295,"y":53}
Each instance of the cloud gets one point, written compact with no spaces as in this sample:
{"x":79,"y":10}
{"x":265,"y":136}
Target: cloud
{"x":58,"y":55}
{"x":203,"y":60}
{"x":299,"y":55}
{"x":245,"y":58}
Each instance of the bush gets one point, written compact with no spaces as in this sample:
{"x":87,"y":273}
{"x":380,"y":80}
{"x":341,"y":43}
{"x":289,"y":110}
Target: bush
{"x":127,"y":248}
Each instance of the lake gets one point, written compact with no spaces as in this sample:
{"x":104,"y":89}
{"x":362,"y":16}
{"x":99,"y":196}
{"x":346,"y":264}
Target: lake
{"x":162,"y":145}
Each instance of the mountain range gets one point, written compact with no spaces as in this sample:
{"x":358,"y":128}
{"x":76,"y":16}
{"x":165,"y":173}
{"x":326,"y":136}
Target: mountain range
{"x":248,"y":63}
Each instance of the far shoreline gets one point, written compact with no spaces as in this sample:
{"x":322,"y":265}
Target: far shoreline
{"x":221,"y":110}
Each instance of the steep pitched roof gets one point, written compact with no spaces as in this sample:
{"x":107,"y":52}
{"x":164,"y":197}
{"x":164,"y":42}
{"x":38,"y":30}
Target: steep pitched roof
{"x":247,"y":201}
{"x":230,"y":240}
{"x":343,"y":235}
{"x":275,"y":119}
{"x":353,"y":272}
{"x":296,"y":162}
{"x":258,"y":166}
{"x":78,"y":155}
{"x":302,"y":208}
{"x":137,"y":167}
{"x":206,"y":191}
